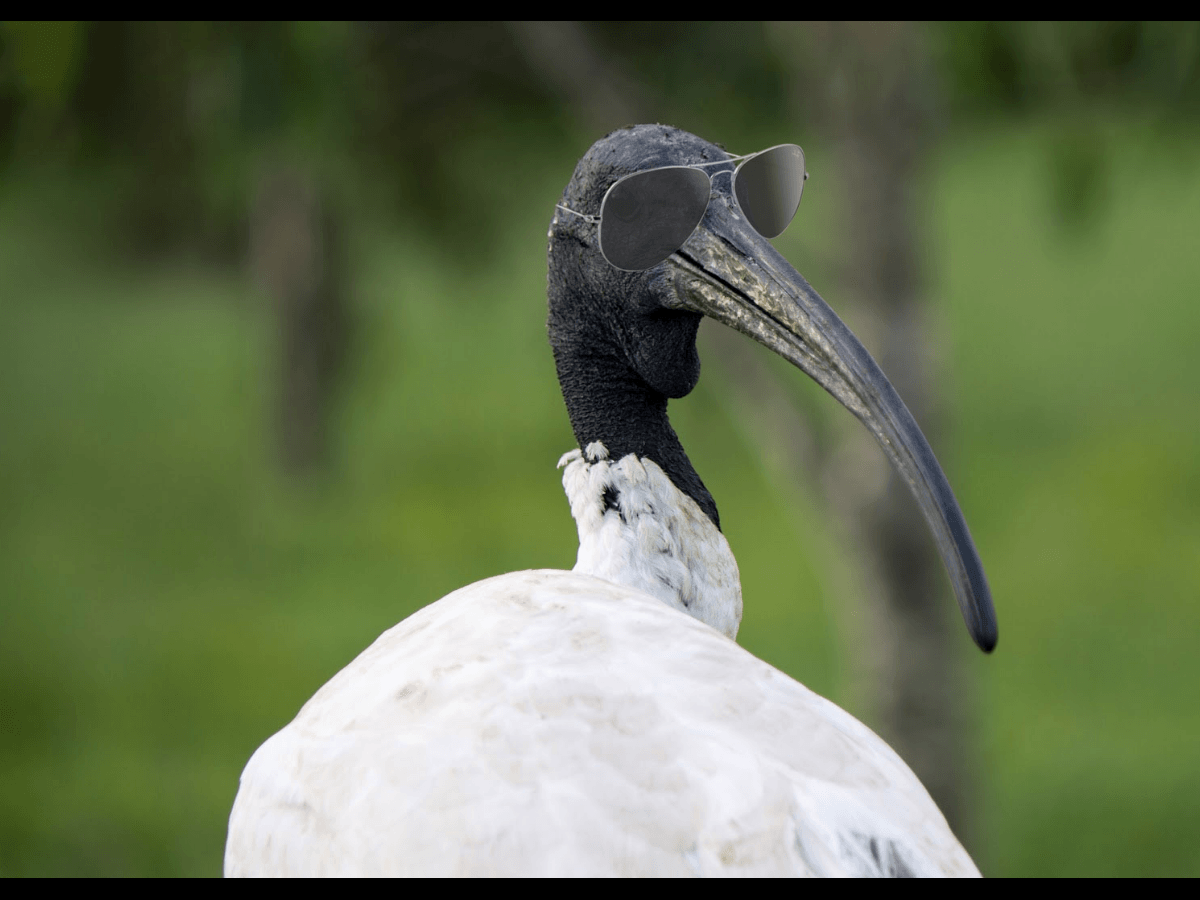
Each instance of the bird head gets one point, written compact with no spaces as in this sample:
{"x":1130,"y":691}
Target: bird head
{"x":612,"y":317}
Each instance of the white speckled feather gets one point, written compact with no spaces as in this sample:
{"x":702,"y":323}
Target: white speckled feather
{"x":557,"y":723}
{"x":656,"y":539}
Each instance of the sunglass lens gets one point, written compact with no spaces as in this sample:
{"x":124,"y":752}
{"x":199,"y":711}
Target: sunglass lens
{"x":648,"y":216}
{"x":768,"y":188}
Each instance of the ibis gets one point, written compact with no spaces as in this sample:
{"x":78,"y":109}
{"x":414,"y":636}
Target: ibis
{"x":604,"y":721}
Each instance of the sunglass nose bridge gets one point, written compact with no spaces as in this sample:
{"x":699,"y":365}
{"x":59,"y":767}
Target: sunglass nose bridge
{"x":712,"y":176}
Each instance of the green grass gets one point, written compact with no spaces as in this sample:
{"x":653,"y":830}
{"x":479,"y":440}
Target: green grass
{"x":166,"y":602}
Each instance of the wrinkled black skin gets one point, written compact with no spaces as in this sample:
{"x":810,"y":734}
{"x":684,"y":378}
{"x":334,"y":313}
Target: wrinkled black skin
{"x":620,"y":353}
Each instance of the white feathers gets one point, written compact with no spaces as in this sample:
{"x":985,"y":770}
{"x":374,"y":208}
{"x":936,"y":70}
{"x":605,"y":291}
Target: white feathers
{"x":574,"y":723}
{"x":550,"y":723}
{"x":637,"y":529}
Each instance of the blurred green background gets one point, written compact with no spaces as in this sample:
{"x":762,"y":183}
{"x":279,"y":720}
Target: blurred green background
{"x":179,"y":571}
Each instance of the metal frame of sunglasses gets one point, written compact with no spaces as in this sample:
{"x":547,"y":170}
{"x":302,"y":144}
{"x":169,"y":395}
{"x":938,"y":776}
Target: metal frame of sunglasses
{"x":741,"y":163}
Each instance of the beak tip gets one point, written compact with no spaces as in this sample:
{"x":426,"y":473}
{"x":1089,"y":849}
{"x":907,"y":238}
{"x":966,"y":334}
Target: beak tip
{"x":985,"y":634}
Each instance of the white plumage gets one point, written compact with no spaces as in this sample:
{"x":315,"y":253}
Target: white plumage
{"x":650,"y":536}
{"x":575,"y":723}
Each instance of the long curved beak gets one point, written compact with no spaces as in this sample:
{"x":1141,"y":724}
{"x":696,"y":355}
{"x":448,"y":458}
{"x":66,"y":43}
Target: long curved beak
{"x":729,"y":272}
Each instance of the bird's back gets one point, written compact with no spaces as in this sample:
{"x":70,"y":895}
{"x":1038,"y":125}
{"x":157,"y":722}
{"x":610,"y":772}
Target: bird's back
{"x":552,"y":723}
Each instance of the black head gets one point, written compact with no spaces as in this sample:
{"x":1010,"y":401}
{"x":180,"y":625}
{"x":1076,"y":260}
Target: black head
{"x":624,"y":311}
{"x":625,"y":342}
{"x":621,"y":351}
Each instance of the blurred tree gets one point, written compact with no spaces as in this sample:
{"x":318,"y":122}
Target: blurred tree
{"x":186,"y":107}
{"x":1070,"y":70}
{"x":297,"y":255}
{"x":990,"y":67}
{"x":297,"y":236}
{"x":584,"y":79}
{"x":420,"y":95}
{"x":886,"y":123}
{"x":877,"y":88}
{"x":39,"y":63}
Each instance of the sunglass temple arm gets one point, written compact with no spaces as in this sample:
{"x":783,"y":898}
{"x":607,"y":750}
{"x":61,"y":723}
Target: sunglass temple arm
{"x":592,"y":219}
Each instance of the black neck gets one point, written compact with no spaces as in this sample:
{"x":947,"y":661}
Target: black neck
{"x":609,"y":402}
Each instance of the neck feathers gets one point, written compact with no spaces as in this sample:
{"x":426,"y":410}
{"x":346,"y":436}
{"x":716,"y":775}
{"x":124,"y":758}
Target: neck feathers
{"x":637,"y":529}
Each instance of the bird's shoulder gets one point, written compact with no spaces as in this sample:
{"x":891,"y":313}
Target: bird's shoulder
{"x":551,"y":722}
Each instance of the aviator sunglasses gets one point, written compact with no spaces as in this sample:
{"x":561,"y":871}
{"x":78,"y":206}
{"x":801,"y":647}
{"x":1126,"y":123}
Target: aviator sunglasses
{"x":648,"y":215}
